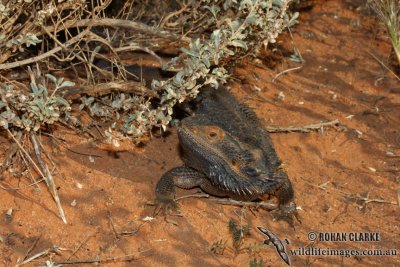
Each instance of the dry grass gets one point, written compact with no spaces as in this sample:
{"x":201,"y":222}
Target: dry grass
{"x":388,"y":12}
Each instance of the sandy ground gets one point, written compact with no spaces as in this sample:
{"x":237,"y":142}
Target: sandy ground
{"x":346,"y":178}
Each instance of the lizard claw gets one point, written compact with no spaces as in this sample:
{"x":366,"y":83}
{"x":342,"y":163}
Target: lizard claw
{"x":165,"y":205}
{"x":286,"y":212}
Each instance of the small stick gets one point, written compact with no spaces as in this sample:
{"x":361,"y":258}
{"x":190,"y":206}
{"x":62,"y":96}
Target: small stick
{"x":323,"y":186}
{"x":194,"y":195}
{"x":119,"y":23}
{"x":48,"y":178}
{"x":11,"y":151}
{"x":123,"y":233}
{"x":29,"y":170}
{"x":109,"y":216}
{"x":263,"y":204}
{"x":229,"y":201}
{"x":27,"y":154}
{"x":77,"y":124}
{"x":48,"y":157}
{"x":130,"y":233}
{"x":74,"y":93}
{"x":82,"y":153}
{"x":32,"y":246}
{"x":63,"y":143}
{"x":47,"y":54}
{"x":366,"y":199}
{"x":302,"y":129}
{"x":383,"y":64}
{"x":285,"y":71}
{"x":81,"y":244}
{"x":22,"y":187}
{"x":128,"y":257}
{"x":54,"y":249}
{"x":135,"y":47}
{"x":170,"y":15}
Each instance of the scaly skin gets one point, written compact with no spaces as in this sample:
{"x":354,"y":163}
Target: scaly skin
{"x":227,"y":153}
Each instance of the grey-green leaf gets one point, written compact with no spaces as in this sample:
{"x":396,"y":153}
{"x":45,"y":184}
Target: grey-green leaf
{"x":67,"y":84}
{"x":239,"y":43}
{"x":51,"y":78}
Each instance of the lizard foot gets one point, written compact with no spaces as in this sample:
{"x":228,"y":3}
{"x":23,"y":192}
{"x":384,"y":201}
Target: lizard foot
{"x":286,"y":212}
{"x":165,"y":204}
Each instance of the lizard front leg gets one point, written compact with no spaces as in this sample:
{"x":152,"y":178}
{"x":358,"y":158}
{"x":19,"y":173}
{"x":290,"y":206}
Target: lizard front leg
{"x":287,"y":208}
{"x":182,"y":177}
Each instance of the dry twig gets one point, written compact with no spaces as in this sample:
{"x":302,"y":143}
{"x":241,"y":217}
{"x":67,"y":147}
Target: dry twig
{"x":54,"y":249}
{"x":193,"y":196}
{"x":302,"y":129}
{"x":48,"y":177}
{"x":32,"y":247}
{"x":120,"y":23}
{"x":262,"y":204}
{"x":11,"y":151}
{"x":101,"y":89}
{"x":366,"y":199}
{"x":122,"y":233}
{"x":22,"y":187}
{"x":129,"y":257}
{"x":45,"y":55}
{"x":229,"y":201}
{"x":383,"y":65}
{"x":26,"y":154}
{"x":81,"y":244}
{"x":285,"y":71}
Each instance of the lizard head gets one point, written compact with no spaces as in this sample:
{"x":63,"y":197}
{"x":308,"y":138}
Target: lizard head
{"x":233,"y":166}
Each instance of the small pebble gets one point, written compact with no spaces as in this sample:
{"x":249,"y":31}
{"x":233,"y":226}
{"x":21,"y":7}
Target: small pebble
{"x":281,"y":96}
{"x":390,"y":153}
{"x":148,"y":219}
{"x":350,"y":116}
{"x":358,"y":132}
{"x":9,"y":212}
{"x":256,"y":88}
{"x":116,"y":143}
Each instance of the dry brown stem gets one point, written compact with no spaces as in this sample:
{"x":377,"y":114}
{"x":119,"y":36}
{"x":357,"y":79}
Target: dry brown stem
{"x":48,"y":176}
{"x":303,"y":129}
{"x":119,"y":23}
{"x":229,"y":201}
{"x":45,"y":55}
{"x":101,"y":89}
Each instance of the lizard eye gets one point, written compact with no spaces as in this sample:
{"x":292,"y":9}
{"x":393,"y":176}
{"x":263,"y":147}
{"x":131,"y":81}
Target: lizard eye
{"x":212,"y":134}
{"x":251,"y":171}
